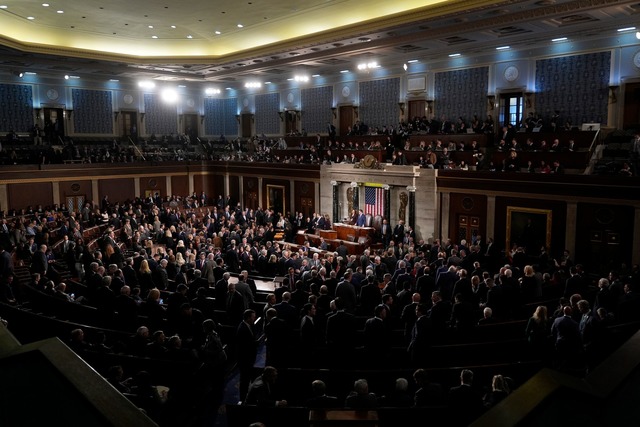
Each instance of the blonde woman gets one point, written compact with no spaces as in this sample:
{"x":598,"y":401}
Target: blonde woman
{"x":145,"y":279}
{"x":538,"y":331}
{"x":180,"y":261}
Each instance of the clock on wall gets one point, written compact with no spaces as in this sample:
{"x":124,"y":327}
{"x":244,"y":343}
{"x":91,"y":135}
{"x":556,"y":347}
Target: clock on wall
{"x":346,"y":91}
{"x":511,"y":73}
{"x":52,"y":94}
{"x":128,"y":99}
{"x":636,"y":59}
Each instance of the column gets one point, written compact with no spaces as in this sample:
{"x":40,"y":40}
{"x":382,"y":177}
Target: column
{"x":387,"y":203}
{"x":169,"y":187}
{"x":292,"y":198}
{"x":260,"y":191}
{"x":95,"y":193}
{"x":241,"y":191}
{"x":316,"y":202}
{"x":570,"y":227}
{"x":412,"y":206}
{"x":56,"y":193}
{"x":444,"y":215}
{"x":226,"y":184}
{"x":356,"y":196}
{"x":335,"y":198}
{"x":4,"y":198}
{"x":192,"y":186}
{"x":491,"y":218}
{"x":136,"y":188}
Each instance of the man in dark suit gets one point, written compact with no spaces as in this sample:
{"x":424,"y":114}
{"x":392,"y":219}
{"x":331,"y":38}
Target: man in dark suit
{"x":398,"y":232}
{"x":234,"y":305}
{"x":385,"y":232}
{"x":278,"y":336}
{"x":340,"y":333}
{"x":39,"y":263}
{"x":409,"y":316}
{"x":464,"y":401}
{"x":568,"y":342}
{"x":376,"y":338}
{"x":286,"y":311}
{"x":420,"y":342}
{"x":439,"y":314}
{"x":246,"y":348}
{"x":362,"y":219}
{"x":320,"y":400}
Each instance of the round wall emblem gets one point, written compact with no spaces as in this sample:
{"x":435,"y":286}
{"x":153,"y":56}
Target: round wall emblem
{"x":128,"y":99}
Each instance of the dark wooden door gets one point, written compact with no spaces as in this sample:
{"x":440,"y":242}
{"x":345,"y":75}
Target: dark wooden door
{"x":631,"y":114}
{"x":346,"y":119}
{"x":246,"y":120}
{"x":130,"y":124}
{"x":417,"y":108}
{"x":191,"y":126}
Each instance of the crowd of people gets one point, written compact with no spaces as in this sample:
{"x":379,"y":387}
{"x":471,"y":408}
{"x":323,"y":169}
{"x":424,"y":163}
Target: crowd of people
{"x":171,"y":261}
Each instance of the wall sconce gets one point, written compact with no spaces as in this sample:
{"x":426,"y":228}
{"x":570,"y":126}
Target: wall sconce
{"x":527,"y":99}
{"x":238,"y":117}
{"x":491,"y":100}
{"x":334,"y":111}
{"x":142,"y":117}
{"x":355,"y":110}
{"x":401,"y":106}
{"x":253,"y":118}
{"x":69,"y":113}
{"x":429,"y":106}
{"x":281,"y":114}
{"x":613,"y":98}
{"x":37,"y":111}
{"x":115,"y":115}
{"x":201,"y":118}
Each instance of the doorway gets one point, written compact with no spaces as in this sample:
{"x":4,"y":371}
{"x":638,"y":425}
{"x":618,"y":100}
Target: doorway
{"x":631,"y":114}
{"x":291,"y":122}
{"x":130,"y":125}
{"x":74,"y":203}
{"x":246,"y":122}
{"x":54,"y":125}
{"x":346,"y":119}
{"x":511,"y":109}
{"x":191,"y":126}
{"x":417,"y":108}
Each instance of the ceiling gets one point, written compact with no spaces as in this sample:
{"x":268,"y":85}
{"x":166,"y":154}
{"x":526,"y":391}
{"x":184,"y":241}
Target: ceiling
{"x":99,"y":39}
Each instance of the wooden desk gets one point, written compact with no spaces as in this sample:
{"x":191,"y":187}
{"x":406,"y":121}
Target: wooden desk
{"x":353,"y":233}
{"x":328,"y":234}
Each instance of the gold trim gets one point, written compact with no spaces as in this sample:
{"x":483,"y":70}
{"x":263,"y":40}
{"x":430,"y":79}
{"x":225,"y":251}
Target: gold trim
{"x":548,"y":223}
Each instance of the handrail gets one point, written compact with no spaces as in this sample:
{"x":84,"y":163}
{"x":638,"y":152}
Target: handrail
{"x":136,"y":148}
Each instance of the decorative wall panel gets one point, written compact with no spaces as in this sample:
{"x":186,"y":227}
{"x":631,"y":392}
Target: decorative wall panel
{"x":92,"y":111}
{"x":267,"y":119}
{"x":575,"y":86}
{"x":160,"y":118}
{"x":220,"y":116}
{"x":316,"y":108}
{"x":461,"y":93}
{"x":379,"y":102}
{"x":17,"y":108}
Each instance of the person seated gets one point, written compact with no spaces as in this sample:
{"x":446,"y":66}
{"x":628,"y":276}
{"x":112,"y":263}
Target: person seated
{"x":360,"y":398}
{"x":261,"y":389}
{"x":320,"y":399}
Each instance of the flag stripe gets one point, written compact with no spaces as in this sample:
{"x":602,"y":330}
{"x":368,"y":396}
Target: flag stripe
{"x":374,"y":201}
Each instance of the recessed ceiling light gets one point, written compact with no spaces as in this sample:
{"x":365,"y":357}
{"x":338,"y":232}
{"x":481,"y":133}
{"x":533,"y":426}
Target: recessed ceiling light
{"x":240,"y":25}
{"x":638,"y":35}
{"x":45,"y":4}
{"x":154,"y":37}
{"x":267,"y":83}
{"x":453,"y":55}
{"x":59,"y":11}
{"x":626,"y":29}
{"x":290,"y":79}
{"x":344,"y":71}
{"x":218,"y":32}
{"x":502,"y":47}
{"x":173,"y":26}
{"x":30,"y":73}
{"x":559,"y":39}
{"x":189,"y":36}
{"x":182,"y":85}
{"x":150,"y":26}
{"x":412,"y":61}
{"x":30,"y":18}
{"x":3,"y":6}
{"x":114,"y":80}
{"x":315,"y":75}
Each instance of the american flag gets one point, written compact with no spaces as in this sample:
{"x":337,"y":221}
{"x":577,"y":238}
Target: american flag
{"x":374,"y":201}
